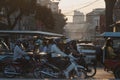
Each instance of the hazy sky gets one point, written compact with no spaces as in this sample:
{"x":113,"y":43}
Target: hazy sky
{"x":85,"y":6}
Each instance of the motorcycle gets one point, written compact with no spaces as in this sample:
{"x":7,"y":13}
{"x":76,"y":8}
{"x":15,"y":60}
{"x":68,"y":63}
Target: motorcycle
{"x":17,"y":68}
{"x":50,"y":70}
{"x":90,"y":68}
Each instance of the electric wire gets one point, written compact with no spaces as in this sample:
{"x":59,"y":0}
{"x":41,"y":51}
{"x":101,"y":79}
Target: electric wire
{"x":83,"y":6}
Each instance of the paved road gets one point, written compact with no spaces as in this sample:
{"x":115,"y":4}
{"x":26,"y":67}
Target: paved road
{"x":101,"y":74}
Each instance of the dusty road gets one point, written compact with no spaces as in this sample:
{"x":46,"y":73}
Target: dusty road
{"x":101,"y":74}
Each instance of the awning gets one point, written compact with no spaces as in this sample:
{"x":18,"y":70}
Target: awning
{"x":110,"y":34}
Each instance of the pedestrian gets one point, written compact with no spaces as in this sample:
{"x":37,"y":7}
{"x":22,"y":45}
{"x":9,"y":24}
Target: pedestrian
{"x":109,"y":47}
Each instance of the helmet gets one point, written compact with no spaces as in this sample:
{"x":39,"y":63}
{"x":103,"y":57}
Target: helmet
{"x":59,"y":41}
{"x":18,"y":42}
{"x":68,"y":40}
{"x":25,"y":43}
{"x":38,"y":42}
{"x":109,"y":41}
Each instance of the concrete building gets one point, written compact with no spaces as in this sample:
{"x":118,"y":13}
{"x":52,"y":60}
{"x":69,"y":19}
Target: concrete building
{"x":52,"y":4}
{"x":116,"y":16}
{"x":77,"y":28}
{"x":94,"y":19}
{"x":116,"y":11}
{"x":44,"y":2}
{"x":78,"y":17}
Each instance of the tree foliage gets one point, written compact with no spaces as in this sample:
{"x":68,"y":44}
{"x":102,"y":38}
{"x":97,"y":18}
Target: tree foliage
{"x":12,"y":11}
{"x":60,"y":22}
{"x":18,"y":8}
{"x":52,"y":21}
{"x":44,"y":15}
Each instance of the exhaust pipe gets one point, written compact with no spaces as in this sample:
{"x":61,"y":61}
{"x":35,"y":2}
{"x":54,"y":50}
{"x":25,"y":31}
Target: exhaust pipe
{"x":14,"y":73}
{"x":48,"y":74}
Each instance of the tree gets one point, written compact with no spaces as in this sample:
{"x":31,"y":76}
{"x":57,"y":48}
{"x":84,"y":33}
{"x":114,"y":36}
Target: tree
{"x":45,"y":16}
{"x":109,"y":13}
{"x":49,"y":20}
{"x":60,"y":22}
{"x":16,"y":8}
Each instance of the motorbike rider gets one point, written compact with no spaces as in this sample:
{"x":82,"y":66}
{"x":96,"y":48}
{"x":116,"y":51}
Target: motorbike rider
{"x":19,"y":54}
{"x":37,"y":48}
{"x":56,"y":49}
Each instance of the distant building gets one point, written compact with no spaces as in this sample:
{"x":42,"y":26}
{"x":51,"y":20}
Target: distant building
{"x":52,"y":4}
{"x":116,"y":11}
{"x":96,"y":19}
{"x":44,"y":2}
{"x":116,"y":16}
{"x":77,"y":28}
{"x":78,"y":17}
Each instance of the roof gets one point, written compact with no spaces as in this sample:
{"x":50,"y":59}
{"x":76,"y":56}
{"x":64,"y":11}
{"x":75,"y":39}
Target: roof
{"x":30,"y":32}
{"x":110,"y":34}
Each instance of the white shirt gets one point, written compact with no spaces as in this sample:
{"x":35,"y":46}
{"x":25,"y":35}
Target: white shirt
{"x":18,"y":53}
{"x":56,"y":51}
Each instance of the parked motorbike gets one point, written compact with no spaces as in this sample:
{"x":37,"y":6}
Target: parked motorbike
{"x":51,"y":70}
{"x":16,"y":68}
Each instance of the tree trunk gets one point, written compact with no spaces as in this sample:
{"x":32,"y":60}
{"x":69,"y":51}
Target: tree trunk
{"x":109,"y":13}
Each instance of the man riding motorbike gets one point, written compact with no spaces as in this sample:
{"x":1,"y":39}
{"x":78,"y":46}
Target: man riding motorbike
{"x":20,"y":55}
{"x":57,"y":51}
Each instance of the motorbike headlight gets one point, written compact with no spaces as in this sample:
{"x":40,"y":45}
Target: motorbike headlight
{"x":42,"y":53}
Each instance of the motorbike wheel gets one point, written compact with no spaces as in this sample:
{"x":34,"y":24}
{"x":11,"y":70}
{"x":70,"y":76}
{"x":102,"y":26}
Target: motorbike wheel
{"x":9,"y":69}
{"x":82,"y":74}
{"x":38,"y":73}
{"x":117,"y":73}
{"x":91,"y":70}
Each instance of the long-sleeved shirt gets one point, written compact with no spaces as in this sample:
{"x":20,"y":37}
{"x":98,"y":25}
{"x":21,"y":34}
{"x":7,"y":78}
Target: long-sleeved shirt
{"x":56,"y":51}
{"x":111,"y":52}
{"x":18,"y":53}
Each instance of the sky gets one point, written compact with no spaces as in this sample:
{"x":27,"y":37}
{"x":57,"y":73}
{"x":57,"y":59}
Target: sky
{"x":85,"y":6}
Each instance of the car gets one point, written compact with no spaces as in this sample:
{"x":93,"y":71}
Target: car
{"x":88,"y":50}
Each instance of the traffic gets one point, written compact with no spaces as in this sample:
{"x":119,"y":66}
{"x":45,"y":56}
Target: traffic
{"x":47,"y":56}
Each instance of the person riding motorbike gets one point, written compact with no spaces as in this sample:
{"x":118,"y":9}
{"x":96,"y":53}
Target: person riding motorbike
{"x":57,"y":49}
{"x":20,"y":55}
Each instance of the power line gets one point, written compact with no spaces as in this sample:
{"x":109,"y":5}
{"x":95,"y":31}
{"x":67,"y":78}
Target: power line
{"x":83,"y":6}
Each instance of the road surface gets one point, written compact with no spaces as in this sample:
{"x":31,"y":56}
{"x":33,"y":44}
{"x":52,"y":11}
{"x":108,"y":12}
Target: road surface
{"x":100,"y":74}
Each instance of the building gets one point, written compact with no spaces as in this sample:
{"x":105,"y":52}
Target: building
{"x":96,"y":19}
{"x":78,"y":17}
{"x":116,"y":16}
{"x":77,"y":28}
{"x":52,"y":4}
{"x":44,"y":2}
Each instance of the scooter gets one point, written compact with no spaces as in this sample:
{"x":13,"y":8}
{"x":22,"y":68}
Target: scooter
{"x":16,"y":68}
{"x":70,"y":70}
